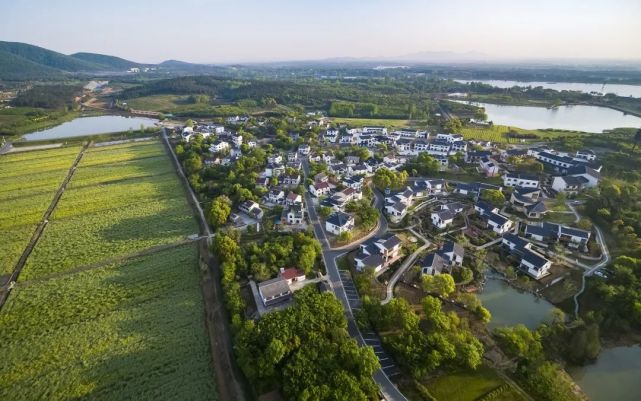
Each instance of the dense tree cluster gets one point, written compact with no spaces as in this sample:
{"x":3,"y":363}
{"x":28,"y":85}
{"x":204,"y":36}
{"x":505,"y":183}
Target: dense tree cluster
{"x":365,"y":214}
{"x":422,"y":165}
{"x":231,"y":262}
{"x":355,"y":98}
{"x":388,"y":179}
{"x":306,"y":350}
{"x":621,"y":294}
{"x":494,"y":197}
{"x":236,"y":181}
{"x":440,"y":339}
{"x":544,"y":380}
{"x":263,"y":260}
{"x":58,"y":96}
{"x":219,"y":211}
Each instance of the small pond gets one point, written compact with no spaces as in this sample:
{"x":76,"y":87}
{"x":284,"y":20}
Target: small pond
{"x":83,"y":126}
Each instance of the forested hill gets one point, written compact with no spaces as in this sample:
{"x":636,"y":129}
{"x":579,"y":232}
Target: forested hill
{"x":105,"y":61}
{"x":20,"y":61}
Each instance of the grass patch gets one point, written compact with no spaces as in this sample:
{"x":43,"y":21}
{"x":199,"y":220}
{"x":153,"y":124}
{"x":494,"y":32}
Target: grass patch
{"x":386,"y":122}
{"x":560,"y":218}
{"x":470,"y":386}
{"x":157,"y":102}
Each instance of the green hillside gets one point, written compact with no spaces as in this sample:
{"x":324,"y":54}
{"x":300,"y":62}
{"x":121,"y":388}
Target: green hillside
{"x":48,"y":58}
{"x":21,"y":61}
{"x":13,"y":68}
{"x":105,"y":61}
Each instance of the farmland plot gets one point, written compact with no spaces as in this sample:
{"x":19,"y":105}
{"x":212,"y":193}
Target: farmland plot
{"x":130,"y":331}
{"x":28,"y":182}
{"x":125,"y":326}
{"x":101,"y":216}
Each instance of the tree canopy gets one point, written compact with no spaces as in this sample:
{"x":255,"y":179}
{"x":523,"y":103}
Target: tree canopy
{"x":307,"y":351}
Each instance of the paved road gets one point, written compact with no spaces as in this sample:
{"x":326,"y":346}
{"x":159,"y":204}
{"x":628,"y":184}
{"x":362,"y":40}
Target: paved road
{"x":409,"y":261}
{"x":345,"y":291}
{"x":589,"y":270}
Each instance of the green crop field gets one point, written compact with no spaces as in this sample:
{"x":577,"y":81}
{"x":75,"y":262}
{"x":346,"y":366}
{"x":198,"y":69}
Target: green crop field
{"x":90,"y":318}
{"x":28,"y":183}
{"x":121,"y":200}
{"x":497,"y":133}
{"x":131,"y":331}
{"x":384,"y":122}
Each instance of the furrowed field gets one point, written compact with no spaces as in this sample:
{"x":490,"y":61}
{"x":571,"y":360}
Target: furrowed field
{"x":122,"y":199}
{"x":28,"y":182}
{"x":130,"y":331}
{"x":91,"y":317}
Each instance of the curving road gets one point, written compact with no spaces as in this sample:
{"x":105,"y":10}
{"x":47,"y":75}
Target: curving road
{"x":409,"y":261}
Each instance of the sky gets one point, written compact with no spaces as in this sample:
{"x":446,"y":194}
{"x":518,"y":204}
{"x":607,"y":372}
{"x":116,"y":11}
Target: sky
{"x":225,"y":31}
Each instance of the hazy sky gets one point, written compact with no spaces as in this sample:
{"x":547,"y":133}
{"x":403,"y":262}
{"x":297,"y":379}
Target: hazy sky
{"x":260,"y":30}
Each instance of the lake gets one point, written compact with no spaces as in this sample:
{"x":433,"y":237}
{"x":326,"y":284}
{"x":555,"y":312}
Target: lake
{"x":616,"y":375}
{"x":509,"y":306}
{"x":91,"y":126}
{"x":617,"y":89}
{"x":572,"y":118}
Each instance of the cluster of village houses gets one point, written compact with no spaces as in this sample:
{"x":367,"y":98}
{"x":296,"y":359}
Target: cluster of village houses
{"x":572,"y":173}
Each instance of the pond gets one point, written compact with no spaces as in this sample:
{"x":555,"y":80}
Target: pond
{"x":91,"y":126}
{"x":617,"y":89}
{"x":572,"y":118}
{"x":616,"y":375}
{"x":509,"y":306}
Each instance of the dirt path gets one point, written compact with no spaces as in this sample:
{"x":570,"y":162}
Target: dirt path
{"x":229,"y":380}
{"x":5,"y":290}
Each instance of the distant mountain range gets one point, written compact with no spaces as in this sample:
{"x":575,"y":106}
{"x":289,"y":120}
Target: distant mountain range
{"x":420,"y":57}
{"x":22,"y":61}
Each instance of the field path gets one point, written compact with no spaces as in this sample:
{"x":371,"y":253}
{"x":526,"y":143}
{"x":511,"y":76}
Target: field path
{"x":6,"y":287}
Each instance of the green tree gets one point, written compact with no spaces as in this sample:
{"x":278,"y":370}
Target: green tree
{"x":466,"y":275}
{"x":493,"y":196}
{"x":453,"y":125}
{"x":518,"y":341}
{"x":193,"y":164}
{"x":441,"y":284}
{"x":548,"y":382}
{"x":637,"y":138}
{"x":219,"y":211}
{"x":324,"y":211}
